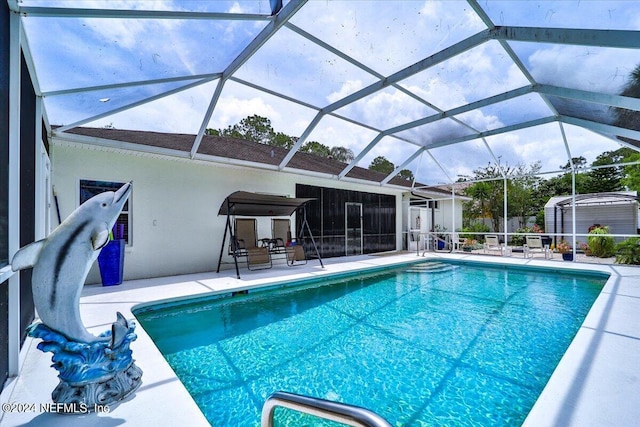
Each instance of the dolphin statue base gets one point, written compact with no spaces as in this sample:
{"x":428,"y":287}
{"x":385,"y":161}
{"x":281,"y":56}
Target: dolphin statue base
{"x":92,"y":374}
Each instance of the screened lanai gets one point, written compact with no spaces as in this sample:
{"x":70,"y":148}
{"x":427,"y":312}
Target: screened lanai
{"x":439,"y":88}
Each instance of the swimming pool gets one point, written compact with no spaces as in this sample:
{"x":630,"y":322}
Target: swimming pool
{"x":430,"y":344}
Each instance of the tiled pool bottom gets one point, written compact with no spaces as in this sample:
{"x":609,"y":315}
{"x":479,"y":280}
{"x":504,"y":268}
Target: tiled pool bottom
{"x":436,"y":344}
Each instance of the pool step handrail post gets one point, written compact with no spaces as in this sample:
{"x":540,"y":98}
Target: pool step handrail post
{"x":326,"y":409}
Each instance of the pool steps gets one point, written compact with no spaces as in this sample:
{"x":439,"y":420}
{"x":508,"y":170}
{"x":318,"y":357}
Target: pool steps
{"x":432,"y":267}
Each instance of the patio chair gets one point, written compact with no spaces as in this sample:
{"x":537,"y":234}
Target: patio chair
{"x":492,"y":244}
{"x":246,"y":236}
{"x":296,"y":254}
{"x":282,"y":242}
{"x":457,"y":242}
{"x":534,"y":245}
{"x":280,"y":234}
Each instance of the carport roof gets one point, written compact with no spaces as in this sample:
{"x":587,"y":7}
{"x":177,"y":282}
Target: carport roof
{"x":437,"y":87}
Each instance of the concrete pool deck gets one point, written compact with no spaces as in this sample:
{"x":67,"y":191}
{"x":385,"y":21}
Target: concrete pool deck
{"x":597,"y":382}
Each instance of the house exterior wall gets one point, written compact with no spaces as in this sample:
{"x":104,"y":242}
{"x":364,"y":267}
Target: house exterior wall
{"x":441,"y":216}
{"x":175,"y":226}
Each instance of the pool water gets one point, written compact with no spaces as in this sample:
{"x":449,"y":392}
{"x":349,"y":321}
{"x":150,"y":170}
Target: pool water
{"x":429,"y":344}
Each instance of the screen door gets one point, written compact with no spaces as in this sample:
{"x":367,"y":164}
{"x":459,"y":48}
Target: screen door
{"x":353,"y":227}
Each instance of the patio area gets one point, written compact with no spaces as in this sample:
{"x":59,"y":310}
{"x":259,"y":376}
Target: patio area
{"x":595,"y":383}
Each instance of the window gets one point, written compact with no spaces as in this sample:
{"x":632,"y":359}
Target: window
{"x":122,"y":228}
{"x":434,"y":204}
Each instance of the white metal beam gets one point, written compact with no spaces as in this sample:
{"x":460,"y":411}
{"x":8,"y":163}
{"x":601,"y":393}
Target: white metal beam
{"x":402,"y":166}
{"x":267,"y":32}
{"x":573,"y":188}
{"x":26,"y":51}
{"x":492,"y":132}
{"x":134,"y":104}
{"x":360,"y":155}
{"x":210,"y":76}
{"x":618,"y":101}
{"x":603,"y":38}
{"x":13,"y":238}
{"x":316,"y":108}
{"x":13,"y":5}
{"x":409,"y":71}
{"x":355,"y":63}
{"x":462,"y":109}
{"x":207,"y":117}
{"x":604,"y":128}
{"x":64,"y":12}
{"x":301,"y":140}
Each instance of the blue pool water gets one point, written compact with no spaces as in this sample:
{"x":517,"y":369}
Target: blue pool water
{"x":428,"y":344}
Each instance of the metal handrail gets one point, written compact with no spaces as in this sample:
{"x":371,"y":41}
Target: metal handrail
{"x":334,"y":411}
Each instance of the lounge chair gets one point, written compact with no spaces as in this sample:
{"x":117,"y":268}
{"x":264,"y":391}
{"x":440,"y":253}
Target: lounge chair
{"x":296,"y":254}
{"x":280,"y":234}
{"x":492,"y":243}
{"x":534,"y":245}
{"x":246,"y":237}
{"x":457,"y":242}
{"x":282,"y":242}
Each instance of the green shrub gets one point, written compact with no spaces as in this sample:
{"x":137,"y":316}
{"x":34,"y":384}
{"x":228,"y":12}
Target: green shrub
{"x":519,"y":240}
{"x":628,"y":251}
{"x":601,"y":246}
{"x":474,"y":227}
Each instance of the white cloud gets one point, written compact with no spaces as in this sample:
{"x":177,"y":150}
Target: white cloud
{"x":347,"y":88}
{"x":231,"y":110}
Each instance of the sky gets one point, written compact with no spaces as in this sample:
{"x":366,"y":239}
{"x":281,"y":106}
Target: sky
{"x":381,"y":38}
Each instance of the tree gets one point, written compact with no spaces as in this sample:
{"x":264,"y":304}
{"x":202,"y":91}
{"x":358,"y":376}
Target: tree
{"x":476,"y":207}
{"x":406,"y":174}
{"x":489,"y":192}
{"x":578,"y":163}
{"x":608,"y":179}
{"x":314,"y":147}
{"x":258,"y":129}
{"x":629,"y":119}
{"x":252,"y":128}
{"x":631,"y":179}
{"x":342,"y":154}
{"x":382,"y":164}
{"x":520,"y":190}
{"x":282,"y":140}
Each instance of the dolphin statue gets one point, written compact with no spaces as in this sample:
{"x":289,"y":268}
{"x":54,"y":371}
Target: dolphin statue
{"x":62,"y":261}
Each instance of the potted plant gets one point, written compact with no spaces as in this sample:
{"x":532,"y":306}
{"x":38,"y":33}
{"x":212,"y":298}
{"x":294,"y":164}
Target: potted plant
{"x":584,"y":247}
{"x":564,"y":248}
{"x":601,"y":244}
{"x":469,"y":244}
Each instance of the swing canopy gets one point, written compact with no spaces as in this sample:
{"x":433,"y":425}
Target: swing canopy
{"x":244,"y":203}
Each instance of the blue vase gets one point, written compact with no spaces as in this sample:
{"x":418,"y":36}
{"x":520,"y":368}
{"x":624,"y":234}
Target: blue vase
{"x":111,"y":263}
{"x":567,"y":256}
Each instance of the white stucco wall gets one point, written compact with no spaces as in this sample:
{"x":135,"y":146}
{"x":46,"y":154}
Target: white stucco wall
{"x":175,"y":203}
{"x":442,"y":216}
